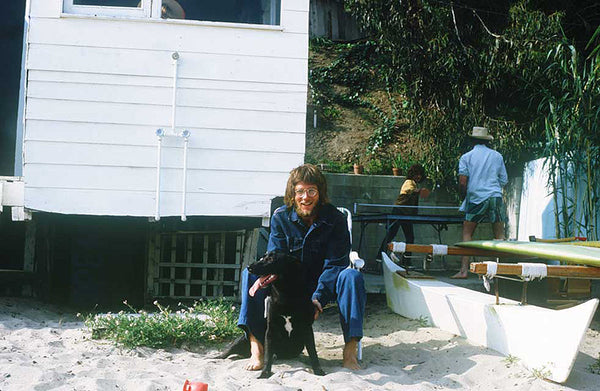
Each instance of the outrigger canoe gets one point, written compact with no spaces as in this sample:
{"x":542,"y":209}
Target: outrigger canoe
{"x":543,"y":339}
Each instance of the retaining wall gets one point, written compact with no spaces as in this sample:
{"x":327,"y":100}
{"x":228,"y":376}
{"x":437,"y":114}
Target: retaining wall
{"x":347,"y":189}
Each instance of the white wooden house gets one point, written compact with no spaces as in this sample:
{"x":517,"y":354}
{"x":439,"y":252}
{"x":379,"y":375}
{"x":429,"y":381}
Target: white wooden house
{"x":102,"y":80}
{"x":179,"y":110}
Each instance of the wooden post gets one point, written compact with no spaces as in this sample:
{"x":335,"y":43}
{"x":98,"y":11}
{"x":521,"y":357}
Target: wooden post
{"x":524,"y":293}
{"x":497,"y":290}
{"x":29,"y":257}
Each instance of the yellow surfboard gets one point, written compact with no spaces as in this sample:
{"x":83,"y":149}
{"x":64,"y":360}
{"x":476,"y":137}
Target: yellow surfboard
{"x":580,"y":254}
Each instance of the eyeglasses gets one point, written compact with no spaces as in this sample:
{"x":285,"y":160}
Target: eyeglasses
{"x":311,"y":192}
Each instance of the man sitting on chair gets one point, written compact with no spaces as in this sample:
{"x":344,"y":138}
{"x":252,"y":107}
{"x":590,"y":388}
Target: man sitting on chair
{"x":311,"y":229}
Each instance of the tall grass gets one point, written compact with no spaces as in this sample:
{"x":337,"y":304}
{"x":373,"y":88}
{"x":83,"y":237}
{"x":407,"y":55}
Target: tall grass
{"x":571,"y":106}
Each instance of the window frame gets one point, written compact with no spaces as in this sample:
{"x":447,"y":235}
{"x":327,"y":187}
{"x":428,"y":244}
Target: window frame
{"x":151,"y":9}
{"x":144,"y":11}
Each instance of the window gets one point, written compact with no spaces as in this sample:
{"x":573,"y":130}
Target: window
{"x":232,"y":11}
{"x":139,"y":8}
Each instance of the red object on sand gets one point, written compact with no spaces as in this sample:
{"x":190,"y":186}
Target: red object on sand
{"x":194,"y":386}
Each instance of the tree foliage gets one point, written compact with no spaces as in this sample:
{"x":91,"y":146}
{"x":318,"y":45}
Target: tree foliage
{"x":461,"y":65}
{"x":521,"y":68}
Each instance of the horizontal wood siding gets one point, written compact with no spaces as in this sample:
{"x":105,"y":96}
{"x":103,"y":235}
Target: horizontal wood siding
{"x":106,"y":201}
{"x":107,"y":155}
{"x":98,"y":89}
{"x":138,"y":135}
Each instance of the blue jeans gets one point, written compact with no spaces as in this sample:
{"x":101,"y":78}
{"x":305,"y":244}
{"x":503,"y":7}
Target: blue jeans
{"x":351,"y":299}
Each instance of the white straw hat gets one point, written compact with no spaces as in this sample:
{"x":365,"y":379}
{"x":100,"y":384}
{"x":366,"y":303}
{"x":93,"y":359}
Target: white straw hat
{"x":481,"y":133}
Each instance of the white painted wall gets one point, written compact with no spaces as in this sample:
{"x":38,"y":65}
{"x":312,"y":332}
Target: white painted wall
{"x":538,"y":208}
{"x":536,"y":215}
{"x":98,"y":88}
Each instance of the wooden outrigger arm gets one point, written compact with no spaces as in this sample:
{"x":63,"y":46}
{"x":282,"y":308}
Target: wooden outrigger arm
{"x":511,"y":269}
{"x":454,"y":250}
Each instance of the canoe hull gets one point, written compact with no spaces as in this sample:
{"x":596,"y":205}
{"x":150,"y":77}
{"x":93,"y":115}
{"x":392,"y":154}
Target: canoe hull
{"x":537,"y":336}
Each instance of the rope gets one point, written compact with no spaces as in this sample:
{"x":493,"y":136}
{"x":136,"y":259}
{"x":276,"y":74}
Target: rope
{"x":439,"y":249}
{"x":531,"y":271}
{"x":399,"y":247}
{"x":492,"y":269}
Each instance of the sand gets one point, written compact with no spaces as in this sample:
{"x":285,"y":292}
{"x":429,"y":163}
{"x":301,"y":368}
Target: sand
{"x":42,"y":347}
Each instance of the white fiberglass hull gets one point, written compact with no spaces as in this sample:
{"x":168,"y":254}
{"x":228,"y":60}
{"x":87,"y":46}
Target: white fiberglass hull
{"x":543,"y":339}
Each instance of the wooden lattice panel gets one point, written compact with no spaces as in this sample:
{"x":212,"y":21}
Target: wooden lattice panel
{"x":193,"y":265}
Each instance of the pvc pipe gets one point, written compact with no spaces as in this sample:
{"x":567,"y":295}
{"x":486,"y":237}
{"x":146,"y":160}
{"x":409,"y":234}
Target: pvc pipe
{"x":175,"y":57}
{"x":159,"y":133}
{"x":186,"y":135}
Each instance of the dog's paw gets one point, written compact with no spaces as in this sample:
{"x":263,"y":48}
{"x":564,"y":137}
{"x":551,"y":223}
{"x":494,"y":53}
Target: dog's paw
{"x":265,"y":374}
{"x":319,"y":372}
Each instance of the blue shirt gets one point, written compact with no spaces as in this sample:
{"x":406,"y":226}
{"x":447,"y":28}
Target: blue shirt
{"x":323,"y":247}
{"x":486,"y":172}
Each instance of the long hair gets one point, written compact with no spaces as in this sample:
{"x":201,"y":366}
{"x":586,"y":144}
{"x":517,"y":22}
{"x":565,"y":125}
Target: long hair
{"x":414,"y":171}
{"x":307,"y":173}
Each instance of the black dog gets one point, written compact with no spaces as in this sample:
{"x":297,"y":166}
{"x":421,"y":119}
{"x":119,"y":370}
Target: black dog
{"x":289,"y":311}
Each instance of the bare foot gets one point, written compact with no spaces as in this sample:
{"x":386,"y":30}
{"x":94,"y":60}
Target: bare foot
{"x":257,"y":354}
{"x":350,"y":359}
{"x":460,"y":276}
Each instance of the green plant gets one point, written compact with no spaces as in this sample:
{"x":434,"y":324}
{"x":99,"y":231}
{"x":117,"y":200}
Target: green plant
{"x":541,"y":373}
{"x":423,"y":321}
{"x":331,"y":112}
{"x":204,"y":322}
{"x":595,"y":366}
{"x":333,"y":166}
{"x":376,"y":166}
{"x":358,"y":158}
{"x":510,"y":360}
{"x":400,"y":161}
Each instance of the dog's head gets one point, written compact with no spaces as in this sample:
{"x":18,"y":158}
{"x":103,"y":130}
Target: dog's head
{"x":272,"y":266}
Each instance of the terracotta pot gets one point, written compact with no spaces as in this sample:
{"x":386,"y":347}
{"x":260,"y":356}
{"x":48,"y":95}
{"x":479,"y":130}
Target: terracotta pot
{"x":358,"y":168}
{"x":396,"y":171}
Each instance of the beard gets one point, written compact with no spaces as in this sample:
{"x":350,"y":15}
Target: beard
{"x":306,"y":213}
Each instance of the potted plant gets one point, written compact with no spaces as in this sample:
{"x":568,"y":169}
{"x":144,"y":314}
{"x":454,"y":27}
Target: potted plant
{"x":398,"y":165}
{"x":358,"y":167}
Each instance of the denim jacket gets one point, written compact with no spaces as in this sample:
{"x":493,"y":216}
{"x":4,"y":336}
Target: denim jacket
{"x":323,"y":247}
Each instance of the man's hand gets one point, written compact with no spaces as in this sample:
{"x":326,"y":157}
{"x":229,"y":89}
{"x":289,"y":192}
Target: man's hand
{"x":462,"y":186}
{"x":318,"y":308}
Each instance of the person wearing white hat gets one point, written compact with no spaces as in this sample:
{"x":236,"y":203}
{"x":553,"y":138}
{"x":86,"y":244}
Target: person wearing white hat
{"x":481,"y":177}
